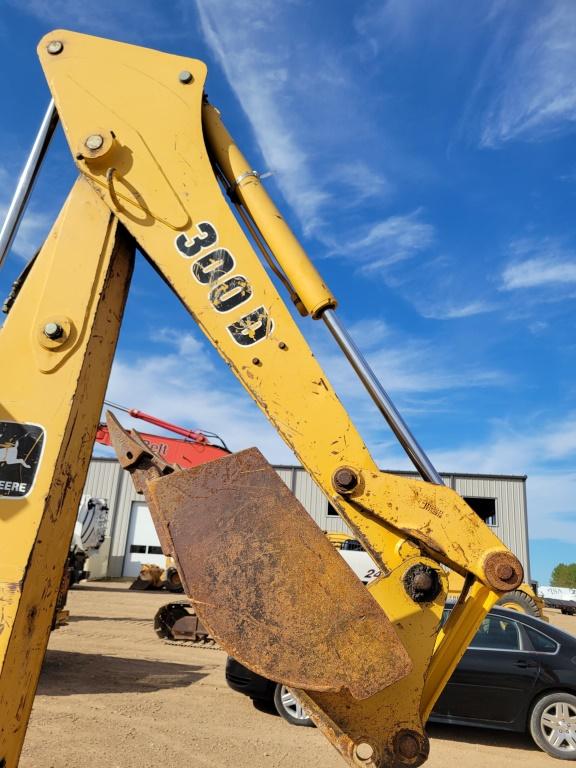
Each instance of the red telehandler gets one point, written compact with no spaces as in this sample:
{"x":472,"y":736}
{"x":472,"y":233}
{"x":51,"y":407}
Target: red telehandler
{"x":196,"y":447}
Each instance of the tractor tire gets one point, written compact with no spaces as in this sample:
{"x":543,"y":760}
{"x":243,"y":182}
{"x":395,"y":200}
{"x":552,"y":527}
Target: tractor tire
{"x":172,"y":581}
{"x":521,"y":602}
{"x":166,"y":617}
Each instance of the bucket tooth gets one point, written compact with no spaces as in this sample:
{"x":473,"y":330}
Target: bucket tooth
{"x":144,"y":465}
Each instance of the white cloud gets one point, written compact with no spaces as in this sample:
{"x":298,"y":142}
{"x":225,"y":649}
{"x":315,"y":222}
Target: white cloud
{"x":32,"y":231}
{"x":455,"y":312}
{"x":387,"y":242}
{"x":381,"y":23}
{"x":260,"y":75}
{"x":358,"y":182}
{"x":410,"y":370}
{"x":512,"y":451}
{"x":538,"y":327}
{"x":186,"y":345}
{"x":536,"y":90}
{"x":538,"y":272}
{"x":420,"y":377}
{"x":543,"y":454}
{"x":110,"y":17}
{"x":372,"y":331}
{"x":551,"y":505}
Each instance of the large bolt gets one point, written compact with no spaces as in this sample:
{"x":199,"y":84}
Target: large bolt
{"x":185,"y":77}
{"x":505,"y":572}
{"x":411,"y":747}
{"x":53,"y":331}
{"x":94,"y":142}
{"x":408,"y":746}
{"x":55,"y":47}
{"x":422,"y":583}
{"x":363,"y":751}
{"x":345,"y":480}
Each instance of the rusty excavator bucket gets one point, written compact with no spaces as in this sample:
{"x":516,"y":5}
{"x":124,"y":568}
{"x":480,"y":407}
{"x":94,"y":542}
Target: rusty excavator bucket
{"x":264,"y":580}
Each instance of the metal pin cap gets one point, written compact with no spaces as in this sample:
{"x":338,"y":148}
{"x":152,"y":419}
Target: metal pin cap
{"x":55,"y":47}
{"x":94,"y":141}
{"x":53,"y":331}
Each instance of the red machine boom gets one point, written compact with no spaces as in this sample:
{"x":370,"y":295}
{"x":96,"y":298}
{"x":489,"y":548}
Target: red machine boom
{"x":194,"y":449}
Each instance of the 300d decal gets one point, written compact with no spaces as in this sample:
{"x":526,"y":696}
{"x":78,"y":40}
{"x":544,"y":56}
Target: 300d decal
{"x":227,"y":292}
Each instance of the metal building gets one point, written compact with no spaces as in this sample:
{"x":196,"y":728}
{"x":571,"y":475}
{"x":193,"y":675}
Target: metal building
{"x":131,"y":540}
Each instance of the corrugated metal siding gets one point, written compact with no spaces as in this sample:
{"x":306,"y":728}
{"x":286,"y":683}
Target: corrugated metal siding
{"x":127,"y":494}
{"x":287,"y":474}
{"x":310,"y":495}
{"x":102,"y":482}
{"x":510,"y":511}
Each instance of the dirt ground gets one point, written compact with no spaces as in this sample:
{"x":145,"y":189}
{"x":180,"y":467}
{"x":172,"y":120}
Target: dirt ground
{"x":112,"y":695}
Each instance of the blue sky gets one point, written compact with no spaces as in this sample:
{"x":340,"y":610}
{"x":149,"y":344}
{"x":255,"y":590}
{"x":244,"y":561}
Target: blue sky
{"x":424,"y":151}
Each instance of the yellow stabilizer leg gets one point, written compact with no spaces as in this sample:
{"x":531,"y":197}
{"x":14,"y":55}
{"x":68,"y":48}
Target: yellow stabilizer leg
{"x":52,"y":388}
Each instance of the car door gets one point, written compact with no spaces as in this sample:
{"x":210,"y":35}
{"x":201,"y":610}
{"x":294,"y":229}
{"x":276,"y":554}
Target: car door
{"x":494,"y":678}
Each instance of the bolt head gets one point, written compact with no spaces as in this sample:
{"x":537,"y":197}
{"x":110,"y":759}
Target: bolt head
{"x":505,"y":572}
{"x":53,"y":331}
{"x":408,"y":746}
{"x":185,"y":77}
{"x":55,"y":47}
{"x":94,"y":142}
{"x":423,"y":581}
{"x":364,"y":751}
{"x":345,"y":479}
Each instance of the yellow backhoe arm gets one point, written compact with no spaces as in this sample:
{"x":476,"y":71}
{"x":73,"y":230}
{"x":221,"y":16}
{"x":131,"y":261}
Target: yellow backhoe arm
{"x":154,"y":158}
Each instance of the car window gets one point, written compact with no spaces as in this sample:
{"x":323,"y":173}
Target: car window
{"x":541,"y":643}
{"x":352,"y":544}
{"x":497,"y":632}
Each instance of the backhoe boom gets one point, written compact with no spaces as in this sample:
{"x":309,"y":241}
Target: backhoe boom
{"x":156,"y":161}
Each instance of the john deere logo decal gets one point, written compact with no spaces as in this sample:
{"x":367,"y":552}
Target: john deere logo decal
{"x":20,"y":452}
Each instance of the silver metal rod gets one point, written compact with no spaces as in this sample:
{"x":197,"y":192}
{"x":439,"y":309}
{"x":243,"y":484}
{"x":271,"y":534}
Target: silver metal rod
{"x":26,"y":181}
{"x":382,"y":400}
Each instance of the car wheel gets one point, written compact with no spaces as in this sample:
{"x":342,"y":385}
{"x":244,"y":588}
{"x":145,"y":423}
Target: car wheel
{"x":553,"y":725}
{"x":288,"y":707}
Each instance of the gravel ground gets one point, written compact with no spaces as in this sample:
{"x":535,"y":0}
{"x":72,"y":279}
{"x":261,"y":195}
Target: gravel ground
{"x":112,"y":695}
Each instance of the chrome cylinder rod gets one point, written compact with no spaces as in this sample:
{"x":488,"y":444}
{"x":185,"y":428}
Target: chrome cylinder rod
{"x":381,"y":398}
{"x":26,"y":181}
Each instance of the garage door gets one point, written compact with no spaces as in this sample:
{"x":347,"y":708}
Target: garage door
{"x":142,"y":545}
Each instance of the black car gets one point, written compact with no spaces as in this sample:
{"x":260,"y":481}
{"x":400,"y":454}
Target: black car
{"x":518,"y":674}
